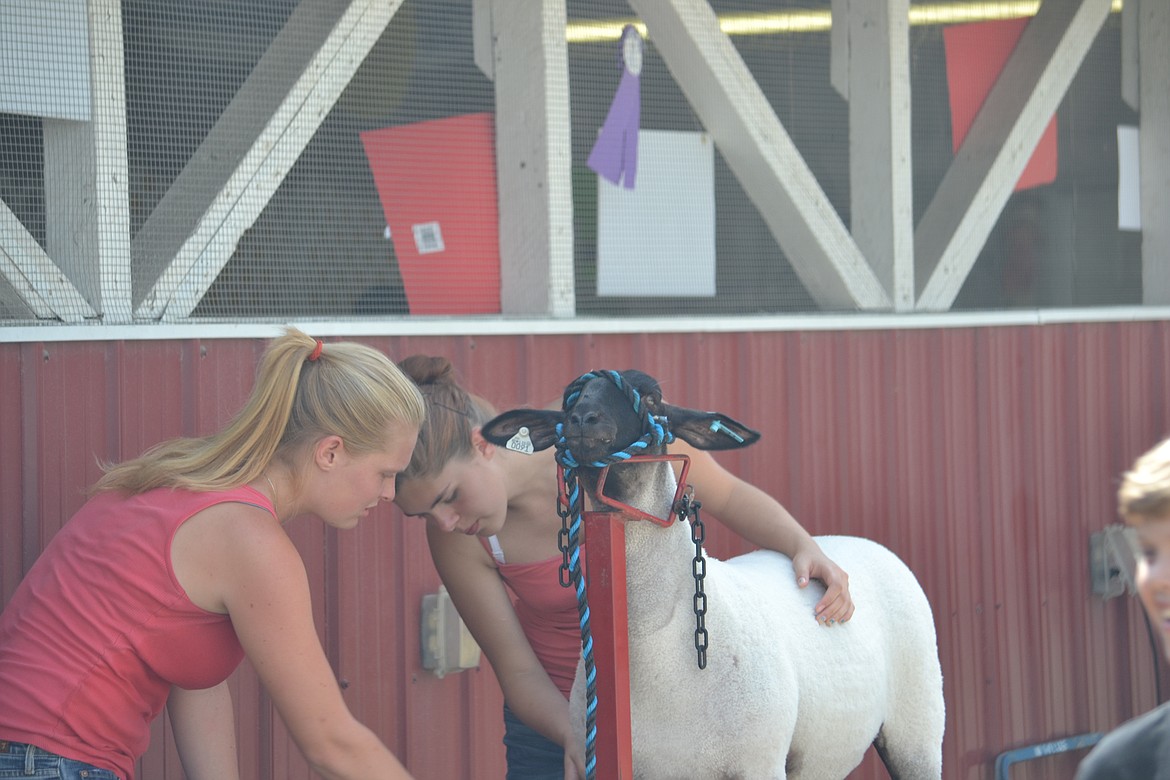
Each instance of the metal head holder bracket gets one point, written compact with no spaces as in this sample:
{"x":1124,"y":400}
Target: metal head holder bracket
{"x":634,"y":512}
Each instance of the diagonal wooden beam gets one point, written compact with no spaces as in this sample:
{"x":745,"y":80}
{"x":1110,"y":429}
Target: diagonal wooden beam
{"x":996,"y":150}
{"x":759,"y":151}
{"x":222,"y":190}
{"x":37,"y":281}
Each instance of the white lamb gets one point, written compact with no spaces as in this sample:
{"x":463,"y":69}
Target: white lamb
{"x":780,"y":695}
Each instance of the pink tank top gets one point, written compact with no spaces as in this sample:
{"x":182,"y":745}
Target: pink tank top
{"x":547,"y":613}
{"x":99,"y":630}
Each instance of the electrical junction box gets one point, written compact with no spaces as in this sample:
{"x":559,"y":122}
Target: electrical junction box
{"x":1113,"y":561}
{"x":447,"y":644}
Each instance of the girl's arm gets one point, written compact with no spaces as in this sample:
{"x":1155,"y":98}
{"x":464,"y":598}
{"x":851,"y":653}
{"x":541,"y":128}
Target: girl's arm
{"x":761,"y":520}
{"x":236,"y":558}
{"x":483,"y":602}
{"x":204,"y":725}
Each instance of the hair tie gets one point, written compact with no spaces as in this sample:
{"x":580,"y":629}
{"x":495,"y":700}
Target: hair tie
{"x":316,"y":353}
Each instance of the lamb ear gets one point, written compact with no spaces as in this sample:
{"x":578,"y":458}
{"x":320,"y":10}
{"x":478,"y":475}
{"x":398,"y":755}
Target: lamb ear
{"x":504,"y":430}
{"x":708,"y":430}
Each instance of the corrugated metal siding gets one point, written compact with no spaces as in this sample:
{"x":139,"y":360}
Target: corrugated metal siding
{"x":984,"y":457}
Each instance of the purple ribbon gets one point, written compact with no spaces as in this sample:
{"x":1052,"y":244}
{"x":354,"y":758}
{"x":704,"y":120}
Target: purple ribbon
{"x":616,"y":150}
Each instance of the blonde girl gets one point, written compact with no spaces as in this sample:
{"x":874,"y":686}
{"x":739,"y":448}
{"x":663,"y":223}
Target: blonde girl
{"x":179,"y":566}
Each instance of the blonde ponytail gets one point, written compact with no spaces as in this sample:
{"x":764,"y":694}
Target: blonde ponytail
{"x":304,"y":390}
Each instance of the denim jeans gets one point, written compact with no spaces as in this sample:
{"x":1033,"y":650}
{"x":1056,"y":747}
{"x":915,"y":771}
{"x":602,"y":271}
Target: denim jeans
{"x":20,"y":760}
{"x":530,"y":755}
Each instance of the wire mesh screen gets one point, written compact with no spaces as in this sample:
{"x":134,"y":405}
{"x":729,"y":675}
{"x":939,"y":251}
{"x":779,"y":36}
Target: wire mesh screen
{"x":284,"y":159}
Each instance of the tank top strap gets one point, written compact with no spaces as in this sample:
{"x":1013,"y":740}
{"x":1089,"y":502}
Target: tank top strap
{"x":492,"y":545}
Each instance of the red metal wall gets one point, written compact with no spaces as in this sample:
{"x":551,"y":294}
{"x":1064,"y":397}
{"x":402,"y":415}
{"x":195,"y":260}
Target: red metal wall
{"x":984,"y":456}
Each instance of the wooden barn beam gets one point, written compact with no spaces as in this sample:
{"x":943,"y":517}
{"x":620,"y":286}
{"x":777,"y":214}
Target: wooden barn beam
{"x":78,"y":90}
{"x":999,"y":144}
{"x":870,"y":67}
{"x":523,"y":49}
{"x":1130,"y":64}
{"x":238,"y":167}
{"x":761,"y":154}
{"x":1154,"y":143}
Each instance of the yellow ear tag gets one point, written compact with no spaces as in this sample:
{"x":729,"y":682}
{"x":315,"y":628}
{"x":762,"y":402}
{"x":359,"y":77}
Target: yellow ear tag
{"x":520,"y":442}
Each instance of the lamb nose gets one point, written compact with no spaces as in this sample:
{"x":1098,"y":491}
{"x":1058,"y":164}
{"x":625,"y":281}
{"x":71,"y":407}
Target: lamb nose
{"x":582,"y":420}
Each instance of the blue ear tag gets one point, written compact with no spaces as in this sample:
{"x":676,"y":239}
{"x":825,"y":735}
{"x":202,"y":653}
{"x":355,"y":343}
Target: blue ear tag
{"x":520,"y":442}
{"x":718,"y":427}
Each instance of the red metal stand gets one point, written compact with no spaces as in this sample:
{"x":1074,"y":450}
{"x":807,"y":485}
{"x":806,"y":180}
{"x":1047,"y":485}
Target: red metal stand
{"x":605,"y":567}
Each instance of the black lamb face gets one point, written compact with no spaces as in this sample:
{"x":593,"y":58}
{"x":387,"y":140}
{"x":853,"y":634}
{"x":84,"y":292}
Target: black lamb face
{"x":601,"y":419}
{"x":604,"y":412}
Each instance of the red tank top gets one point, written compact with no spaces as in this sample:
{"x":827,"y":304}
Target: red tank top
{"x":547,"y":613}
{"x":99,"y":630}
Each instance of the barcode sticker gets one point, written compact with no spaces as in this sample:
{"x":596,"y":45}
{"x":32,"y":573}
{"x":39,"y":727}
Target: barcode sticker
{"x":428,"y":238}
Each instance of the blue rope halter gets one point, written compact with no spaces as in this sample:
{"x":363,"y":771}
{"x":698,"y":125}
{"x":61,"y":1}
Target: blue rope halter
{"x":655,"y":433}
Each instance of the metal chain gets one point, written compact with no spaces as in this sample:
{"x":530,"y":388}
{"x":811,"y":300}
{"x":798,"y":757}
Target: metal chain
{"x":564,"y":543}
{"x":688,"y":506}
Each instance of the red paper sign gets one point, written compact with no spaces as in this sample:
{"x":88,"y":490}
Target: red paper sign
{"x":437,"y":184}
{"x":976,"y":54}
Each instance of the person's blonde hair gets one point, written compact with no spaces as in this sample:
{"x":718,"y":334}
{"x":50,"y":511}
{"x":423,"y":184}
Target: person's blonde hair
{"x":1145,"y":489}
{"x":452,"y":413}
{"x":347,"y":389}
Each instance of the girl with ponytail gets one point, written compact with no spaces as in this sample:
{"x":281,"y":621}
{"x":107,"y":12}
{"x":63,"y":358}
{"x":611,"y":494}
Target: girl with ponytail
{"x":178,"y":566}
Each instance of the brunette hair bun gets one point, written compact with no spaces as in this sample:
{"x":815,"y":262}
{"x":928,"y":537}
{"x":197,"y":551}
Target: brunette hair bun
{"x":428,"y":369}
{"x":452,"y":413}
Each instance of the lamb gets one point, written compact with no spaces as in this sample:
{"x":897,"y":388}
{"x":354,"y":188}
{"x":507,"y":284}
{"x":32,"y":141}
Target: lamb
{"x":781,"y":696}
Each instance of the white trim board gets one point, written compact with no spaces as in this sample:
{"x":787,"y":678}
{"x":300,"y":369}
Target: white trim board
{"x":472,"y":327}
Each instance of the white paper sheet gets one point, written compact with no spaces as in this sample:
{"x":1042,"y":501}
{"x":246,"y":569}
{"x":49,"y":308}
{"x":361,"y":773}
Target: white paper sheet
{"x":658,"y":239}
{"x":1129,"y":177}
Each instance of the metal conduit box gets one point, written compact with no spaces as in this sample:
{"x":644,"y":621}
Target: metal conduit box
{"x":1112,"y":561}
{"x":447,"y":644}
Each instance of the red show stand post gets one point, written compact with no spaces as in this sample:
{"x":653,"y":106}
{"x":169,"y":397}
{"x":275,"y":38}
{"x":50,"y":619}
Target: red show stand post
{"x":605,"y":586}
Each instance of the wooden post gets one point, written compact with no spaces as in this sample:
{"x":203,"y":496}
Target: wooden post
{"x":605,"y":586}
